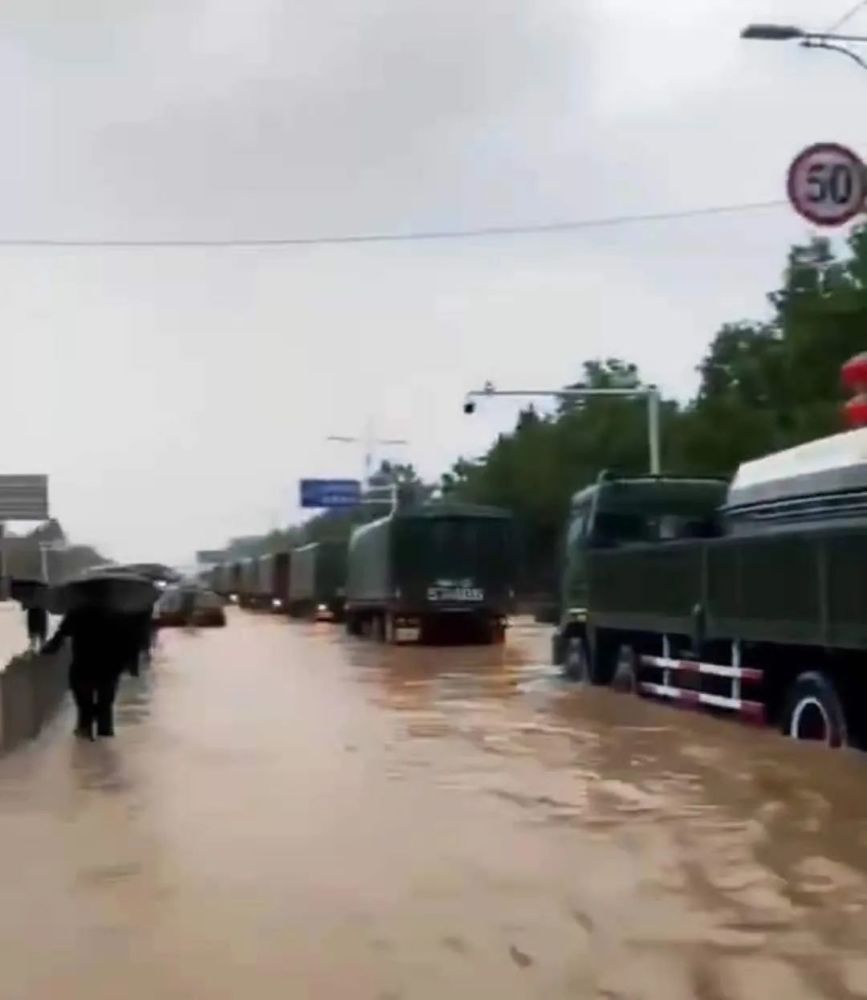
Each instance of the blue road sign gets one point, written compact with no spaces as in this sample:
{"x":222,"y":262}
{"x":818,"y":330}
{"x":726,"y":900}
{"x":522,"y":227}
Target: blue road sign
{"x":330,"y":492}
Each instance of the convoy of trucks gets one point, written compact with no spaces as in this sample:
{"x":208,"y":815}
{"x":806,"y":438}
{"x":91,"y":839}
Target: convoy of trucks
{"x":304,"y":581}
{"x":747,"y":598}
{"x":428,"y":572}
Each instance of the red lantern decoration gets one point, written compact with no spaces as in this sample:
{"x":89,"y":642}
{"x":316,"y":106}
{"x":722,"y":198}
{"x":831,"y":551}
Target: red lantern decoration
{"x":854,"y":376}
{"x":854,"y":373}
{"x":856,"y":410}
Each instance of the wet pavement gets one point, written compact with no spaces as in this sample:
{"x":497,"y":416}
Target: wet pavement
{"x":290,"y":813}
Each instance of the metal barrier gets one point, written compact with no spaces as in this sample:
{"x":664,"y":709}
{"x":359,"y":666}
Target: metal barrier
{"x":673,"y":670}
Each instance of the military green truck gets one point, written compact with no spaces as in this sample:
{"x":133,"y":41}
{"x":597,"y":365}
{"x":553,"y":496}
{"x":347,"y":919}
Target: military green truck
{"x":234,"y":579}
{"x":317,"y":580}
{"x":248,"y":582}
{"x":221,"y":579}
{"x":274,"y":568}
{"x":749,"y":599}
{"x":436,"y":571}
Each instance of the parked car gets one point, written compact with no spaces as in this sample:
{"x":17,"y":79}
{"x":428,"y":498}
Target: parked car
{"x":184,"y":605}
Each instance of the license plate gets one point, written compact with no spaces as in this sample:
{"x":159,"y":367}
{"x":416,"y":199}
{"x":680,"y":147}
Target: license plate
{"x":467,"y":594}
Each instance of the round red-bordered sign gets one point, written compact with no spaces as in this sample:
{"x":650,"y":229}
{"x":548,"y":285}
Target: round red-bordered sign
{"x":827,"y":184}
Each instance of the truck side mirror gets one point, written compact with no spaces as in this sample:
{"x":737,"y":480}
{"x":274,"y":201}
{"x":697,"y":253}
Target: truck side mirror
{"x":469,"y":407}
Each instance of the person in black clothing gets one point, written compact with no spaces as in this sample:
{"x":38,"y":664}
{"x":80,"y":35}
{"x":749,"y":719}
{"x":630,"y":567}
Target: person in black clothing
{"x":144,"y":627}
{"x":37,"y":627}
{"x":104,"y":644}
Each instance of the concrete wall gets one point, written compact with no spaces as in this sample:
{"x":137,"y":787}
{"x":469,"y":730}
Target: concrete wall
{"x":32,"y":689}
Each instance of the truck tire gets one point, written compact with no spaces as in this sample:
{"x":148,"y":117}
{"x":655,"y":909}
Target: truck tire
{"x":604,"y":658}
{"x":390,"y":630}
{"x":625,"y":677}
{"x":377,"y":628}
{"x":576,"y":660}
{"x":813,"y":711}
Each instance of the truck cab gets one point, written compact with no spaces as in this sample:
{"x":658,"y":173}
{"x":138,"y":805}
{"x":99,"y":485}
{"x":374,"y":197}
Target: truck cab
{"x":625,"y":510}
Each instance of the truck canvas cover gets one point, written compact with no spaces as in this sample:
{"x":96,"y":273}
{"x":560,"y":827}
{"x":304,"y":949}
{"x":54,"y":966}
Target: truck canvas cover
{"x":432,"y":556}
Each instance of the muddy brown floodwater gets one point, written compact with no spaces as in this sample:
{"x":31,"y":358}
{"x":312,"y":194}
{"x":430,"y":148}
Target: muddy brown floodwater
{"x":287,"y":813}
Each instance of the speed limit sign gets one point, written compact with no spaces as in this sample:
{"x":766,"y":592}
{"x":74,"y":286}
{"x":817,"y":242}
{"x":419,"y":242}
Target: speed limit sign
{"x":827,"y":184}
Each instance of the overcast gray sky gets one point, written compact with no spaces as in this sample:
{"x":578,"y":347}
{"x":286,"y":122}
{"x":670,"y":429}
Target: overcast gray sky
{"x":175,"y":396}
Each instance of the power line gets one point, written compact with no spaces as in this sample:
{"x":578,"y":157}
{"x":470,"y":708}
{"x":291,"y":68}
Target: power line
{"x":847,"y":16}
{"x":413,"y":236}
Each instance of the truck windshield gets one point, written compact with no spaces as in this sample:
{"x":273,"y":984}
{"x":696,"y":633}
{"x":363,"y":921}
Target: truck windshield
{"x":611,"y":529}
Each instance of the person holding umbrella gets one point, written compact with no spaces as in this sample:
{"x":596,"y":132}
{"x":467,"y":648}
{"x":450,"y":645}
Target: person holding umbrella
{"x":102,"y":622}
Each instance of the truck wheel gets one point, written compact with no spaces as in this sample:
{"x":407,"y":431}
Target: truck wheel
{"x":390,"y":630}
{"x":497,"y":634}
{"x":603,"y":660}
{"x":576,"y":663}
{"x":377,"y":628}
{"x":813,"y":711}
{"x":626,"y":671}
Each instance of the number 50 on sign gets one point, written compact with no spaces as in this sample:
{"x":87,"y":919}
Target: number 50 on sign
{"x":827,"y":184}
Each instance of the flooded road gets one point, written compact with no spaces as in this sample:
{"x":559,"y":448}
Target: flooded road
{"x":289,"y":813}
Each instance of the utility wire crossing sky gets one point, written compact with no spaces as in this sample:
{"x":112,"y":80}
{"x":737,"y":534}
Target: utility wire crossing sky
{"x":436,"y":234}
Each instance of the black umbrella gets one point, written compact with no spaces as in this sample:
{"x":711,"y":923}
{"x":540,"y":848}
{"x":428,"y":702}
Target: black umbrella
{"x":153,"y":571}
{"x":108,"y":589}
{"x":29,"y":593}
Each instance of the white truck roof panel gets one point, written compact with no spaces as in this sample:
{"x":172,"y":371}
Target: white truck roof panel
{"x":835,"y":464}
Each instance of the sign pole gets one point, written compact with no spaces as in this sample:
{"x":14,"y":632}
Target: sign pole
{"x":653,"y":430}
{"x":4,"y":583}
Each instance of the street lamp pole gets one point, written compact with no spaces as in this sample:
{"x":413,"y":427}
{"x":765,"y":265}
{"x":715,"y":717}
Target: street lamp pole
{"x":44,"y":549}
{"x":369,"y":442}
{"x":650,"y":393}
{"x":830,"y":40}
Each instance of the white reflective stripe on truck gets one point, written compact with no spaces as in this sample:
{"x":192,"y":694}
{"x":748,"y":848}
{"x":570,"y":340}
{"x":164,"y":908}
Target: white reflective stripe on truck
{"x":752,"y":710}
{"x":693,"y":666}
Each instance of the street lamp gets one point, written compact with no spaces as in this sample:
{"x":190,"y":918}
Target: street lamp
{"x":44,"y":549}
{"x":369,"y":442}
{"x":650,"y":393}
{"x":807,"y":39}
{"x":772,"y":32}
